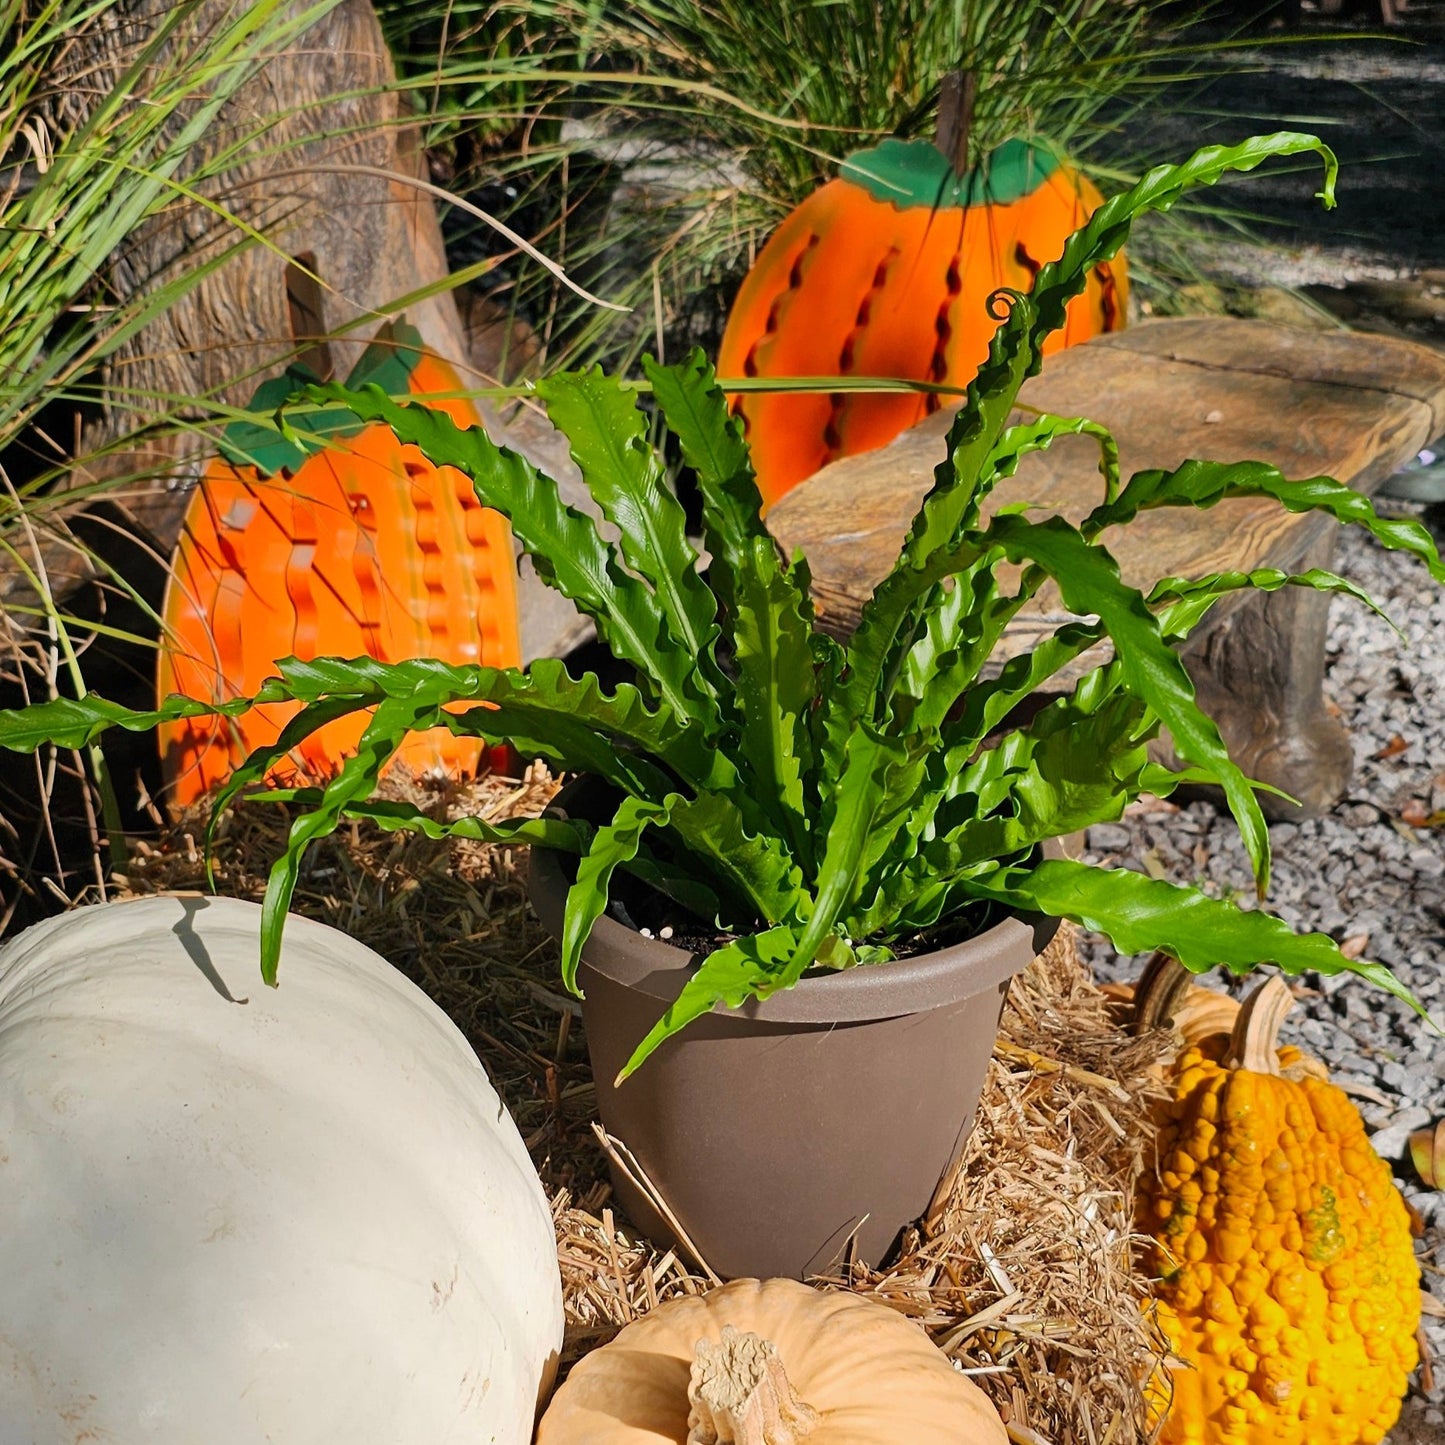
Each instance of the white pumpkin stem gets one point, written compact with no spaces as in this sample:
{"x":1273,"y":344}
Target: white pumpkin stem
{"x":740,"y":1394}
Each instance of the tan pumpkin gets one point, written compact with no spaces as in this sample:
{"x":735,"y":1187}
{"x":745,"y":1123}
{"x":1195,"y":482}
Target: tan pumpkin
{"x":770,"y":1362}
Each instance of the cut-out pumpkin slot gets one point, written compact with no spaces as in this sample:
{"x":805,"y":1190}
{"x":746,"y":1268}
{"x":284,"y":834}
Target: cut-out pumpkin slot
{"x":361,"y":548}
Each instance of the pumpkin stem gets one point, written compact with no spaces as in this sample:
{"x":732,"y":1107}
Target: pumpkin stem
{"x":740,"y":1394}
{"x":956,"y":94}
{"x":1254,"y":1044}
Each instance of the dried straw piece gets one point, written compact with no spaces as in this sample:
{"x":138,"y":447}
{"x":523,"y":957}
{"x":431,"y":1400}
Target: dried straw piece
{"x":1024,"y":1273}
{"x":624,"y":1160}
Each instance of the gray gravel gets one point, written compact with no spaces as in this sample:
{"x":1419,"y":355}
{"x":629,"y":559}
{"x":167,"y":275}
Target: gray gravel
{"x":1362,"y":873}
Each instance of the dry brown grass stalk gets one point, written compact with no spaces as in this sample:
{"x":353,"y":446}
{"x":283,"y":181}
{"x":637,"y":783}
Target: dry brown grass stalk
{"x":1024,"y":1271}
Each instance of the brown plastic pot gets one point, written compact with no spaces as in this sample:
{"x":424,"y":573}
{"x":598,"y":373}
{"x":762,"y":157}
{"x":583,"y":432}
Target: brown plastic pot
{"x":789,"y":1134}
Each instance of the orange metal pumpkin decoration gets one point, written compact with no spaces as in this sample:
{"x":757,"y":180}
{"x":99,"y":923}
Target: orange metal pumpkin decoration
{"x":360,"y":547}
{"x":886,"y":271}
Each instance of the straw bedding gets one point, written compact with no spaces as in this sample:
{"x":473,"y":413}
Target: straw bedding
{"x":1023,"y":1271}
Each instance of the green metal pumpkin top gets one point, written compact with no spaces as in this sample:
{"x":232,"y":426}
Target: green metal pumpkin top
{"x":908,"y":173}
{"x":388,"y":362}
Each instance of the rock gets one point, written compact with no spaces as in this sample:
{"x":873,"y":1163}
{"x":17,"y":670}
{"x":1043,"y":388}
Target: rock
{"x":1392,"y":1141}
{"x":1359,"y":815}
{"x":1426,"y":863}
{"x":1109,"y":838}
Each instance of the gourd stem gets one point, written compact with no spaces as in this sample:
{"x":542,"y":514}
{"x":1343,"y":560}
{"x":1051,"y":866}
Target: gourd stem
{"x":1159,"y":993}
{"x":1254,"y":1044}
{"x":740,"y":1394}
{"x":1165,"y":997}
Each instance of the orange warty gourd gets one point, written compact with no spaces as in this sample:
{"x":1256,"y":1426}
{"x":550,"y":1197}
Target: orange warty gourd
{"x":887,"y":271}
{"x":770,"y":1362}
{"x":360,"y":547}
{"x":1288,"y":1286}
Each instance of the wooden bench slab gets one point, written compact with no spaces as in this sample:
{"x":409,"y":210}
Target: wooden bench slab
{"x":1313,"y":403}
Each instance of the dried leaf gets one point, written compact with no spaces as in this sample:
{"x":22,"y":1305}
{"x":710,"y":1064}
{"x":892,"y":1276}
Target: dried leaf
{"x":1415,"y":813}
{"x":1427,"y":1151}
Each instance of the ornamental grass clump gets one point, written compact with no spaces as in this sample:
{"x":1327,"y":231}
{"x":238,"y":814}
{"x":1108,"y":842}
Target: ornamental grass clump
{"x":821,"y":803}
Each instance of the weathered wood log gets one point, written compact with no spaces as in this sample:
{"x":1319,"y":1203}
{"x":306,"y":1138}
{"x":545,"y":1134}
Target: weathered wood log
{"x":331,"y":184}
{"x":1313,"y":403}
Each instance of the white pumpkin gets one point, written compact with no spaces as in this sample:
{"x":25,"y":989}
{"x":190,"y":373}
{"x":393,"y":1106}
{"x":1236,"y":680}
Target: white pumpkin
{"x":233,"y":1214}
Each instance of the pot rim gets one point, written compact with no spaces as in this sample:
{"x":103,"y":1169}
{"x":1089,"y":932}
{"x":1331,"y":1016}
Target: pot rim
{"x":854,"y":995}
